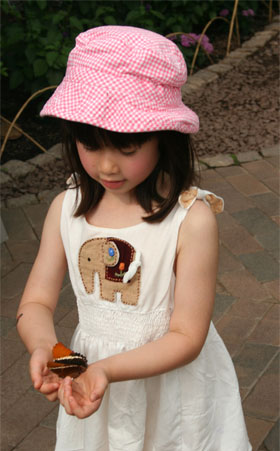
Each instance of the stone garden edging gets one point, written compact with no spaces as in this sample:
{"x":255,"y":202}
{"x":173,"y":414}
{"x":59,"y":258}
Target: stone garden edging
{"x":16,"y":168}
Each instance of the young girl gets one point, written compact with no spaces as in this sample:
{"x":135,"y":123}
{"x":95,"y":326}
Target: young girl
{"x":142,"y":257}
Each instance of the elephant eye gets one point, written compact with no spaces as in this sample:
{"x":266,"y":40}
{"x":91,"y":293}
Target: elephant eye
{"x":111,"y":252}
{"x":89,"y":259}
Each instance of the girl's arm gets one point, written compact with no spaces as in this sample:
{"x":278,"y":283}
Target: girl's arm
{"x":196,"y":269}
{"x":35,"y":313}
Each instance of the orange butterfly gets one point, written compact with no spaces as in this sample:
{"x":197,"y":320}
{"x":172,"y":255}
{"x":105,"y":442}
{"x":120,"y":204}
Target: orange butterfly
{"x":66,"y":362}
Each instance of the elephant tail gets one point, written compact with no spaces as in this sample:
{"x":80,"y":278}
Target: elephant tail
{"x":134,"y":265}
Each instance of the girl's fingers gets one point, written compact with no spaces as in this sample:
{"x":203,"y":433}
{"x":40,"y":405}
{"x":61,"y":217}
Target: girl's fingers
{"x":49,"y":388}
{"x":52,"y":396}
{"x":84,"y":410}
{"x":36,"y":376}
{"x":75,"y":400}
{"x":64,"y":392}
{"x":37,"y":371}
{"x":45,"y":371}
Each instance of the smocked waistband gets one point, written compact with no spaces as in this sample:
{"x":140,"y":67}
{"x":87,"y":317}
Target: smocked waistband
{"x":123,"y":326}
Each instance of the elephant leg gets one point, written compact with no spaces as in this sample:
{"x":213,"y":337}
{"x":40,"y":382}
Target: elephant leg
{"x":128,"y":298}
{"x":130,"y":291}
{"x":108,"y":290}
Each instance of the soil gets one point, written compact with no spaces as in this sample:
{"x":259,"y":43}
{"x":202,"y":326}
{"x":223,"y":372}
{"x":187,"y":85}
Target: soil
{"x":238,"y":112}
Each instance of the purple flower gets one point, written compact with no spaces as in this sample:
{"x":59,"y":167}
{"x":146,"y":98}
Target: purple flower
{"x":148,"y":7}
{"x":208,"y":47}
{"x":224,"y":12}
{"x":172,"y":38}
{"x":187,"y":41}
{"x":193,"y":38}
{"x":248,"y":12}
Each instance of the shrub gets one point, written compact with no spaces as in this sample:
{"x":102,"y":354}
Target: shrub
{"x":37,"y":35}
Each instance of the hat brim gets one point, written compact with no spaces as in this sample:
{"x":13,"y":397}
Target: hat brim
{"x":92,"y":104}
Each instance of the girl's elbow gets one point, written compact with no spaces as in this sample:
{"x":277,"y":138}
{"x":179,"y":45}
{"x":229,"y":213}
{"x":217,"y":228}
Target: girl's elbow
{"x":192,"y":352}
{"x":190,"y":347}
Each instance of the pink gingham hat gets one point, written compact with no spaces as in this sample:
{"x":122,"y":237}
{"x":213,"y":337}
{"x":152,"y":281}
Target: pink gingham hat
{"x":124,"y":79}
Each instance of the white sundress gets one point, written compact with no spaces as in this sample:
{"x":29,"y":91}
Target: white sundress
{"x":193,"y":408}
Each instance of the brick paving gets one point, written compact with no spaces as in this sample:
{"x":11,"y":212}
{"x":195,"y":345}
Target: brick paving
{"x":246,"y":312}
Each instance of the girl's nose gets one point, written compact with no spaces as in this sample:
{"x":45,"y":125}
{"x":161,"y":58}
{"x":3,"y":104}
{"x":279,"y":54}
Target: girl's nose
{"x":108,"y":162}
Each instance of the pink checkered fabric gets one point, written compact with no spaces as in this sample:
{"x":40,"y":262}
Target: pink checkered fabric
{"x":124,"y":79}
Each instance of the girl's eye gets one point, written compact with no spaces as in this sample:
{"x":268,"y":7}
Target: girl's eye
{"x":89,"y":148}
{"x":128,"y":152}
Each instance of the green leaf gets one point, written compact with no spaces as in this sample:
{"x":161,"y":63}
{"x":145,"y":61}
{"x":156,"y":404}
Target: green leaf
{"x":10,"y":9}
{"x":40,"y":67}
{"x":16,"y":79}
{"x":133,"y":16}
{"x":15,"y":33}
{"x":212,"y":15}
{"x":42,"y":4}
{"x":54,"y":37}
{"x":58,"y":17}
{"x":198,"y":10}
{"x":54,"y":77}
{"x":28,"y":72}
{"x":51,"y":57}
{"x":84,"y":7}
{"x":157,"y":14}
{"x":3,"y":70}
{"x":76,"y":23}
{"x":110,"y":20}
{"x":30,"y":53}
{"x":170,"y":22}
{"x":101,"y":10}
{"x":36,"y":26}
{"x":61,"y":61}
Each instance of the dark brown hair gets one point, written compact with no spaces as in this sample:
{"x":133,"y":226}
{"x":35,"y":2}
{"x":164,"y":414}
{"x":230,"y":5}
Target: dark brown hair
{"x":176,"y":161}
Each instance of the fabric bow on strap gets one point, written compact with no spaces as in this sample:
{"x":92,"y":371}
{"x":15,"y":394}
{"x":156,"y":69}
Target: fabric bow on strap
{"x":187,"y":198}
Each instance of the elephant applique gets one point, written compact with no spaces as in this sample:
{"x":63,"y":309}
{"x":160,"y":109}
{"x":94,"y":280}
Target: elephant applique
{"x":118,"y":266}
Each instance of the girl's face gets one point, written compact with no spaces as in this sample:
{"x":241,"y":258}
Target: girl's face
{"x":120,"y":171}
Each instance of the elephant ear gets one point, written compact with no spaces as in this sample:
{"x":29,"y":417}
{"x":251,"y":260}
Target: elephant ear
{"x":111,"y":254}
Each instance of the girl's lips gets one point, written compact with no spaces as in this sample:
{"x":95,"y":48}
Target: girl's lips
{"x":112,"y":185}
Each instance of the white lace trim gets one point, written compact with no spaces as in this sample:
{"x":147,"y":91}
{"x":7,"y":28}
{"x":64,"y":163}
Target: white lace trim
{"x":123,"y":326}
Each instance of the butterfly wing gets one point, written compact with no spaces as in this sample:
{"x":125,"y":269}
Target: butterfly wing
{"x":63,"y":369}
{"x":67,"y":362}
{"x":59,"y":350}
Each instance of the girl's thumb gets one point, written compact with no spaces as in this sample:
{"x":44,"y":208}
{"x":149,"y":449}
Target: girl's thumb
{"x":37,"y":380}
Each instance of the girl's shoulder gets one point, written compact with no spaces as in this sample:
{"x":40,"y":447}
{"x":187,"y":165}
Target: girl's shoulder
{"x":200,"y":222}
{"x":58,"y":201}
{"x":55,"y":208}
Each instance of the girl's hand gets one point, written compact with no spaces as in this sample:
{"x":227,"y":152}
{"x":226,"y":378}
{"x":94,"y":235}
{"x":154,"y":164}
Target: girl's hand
{"x":43,"y":379}
{"x":82,"y":397}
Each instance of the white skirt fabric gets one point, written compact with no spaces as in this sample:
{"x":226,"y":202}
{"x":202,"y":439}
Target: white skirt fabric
{"x":193,"y":408}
